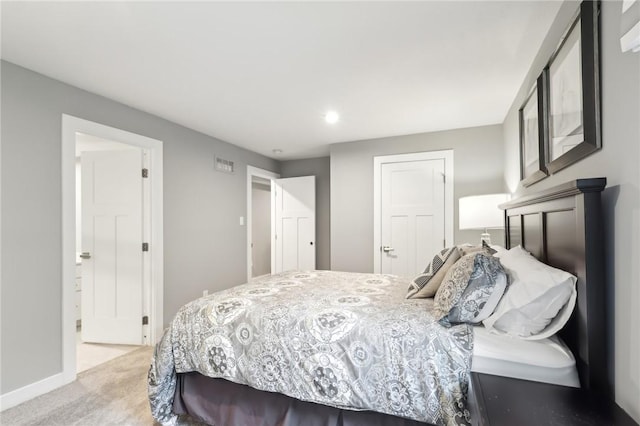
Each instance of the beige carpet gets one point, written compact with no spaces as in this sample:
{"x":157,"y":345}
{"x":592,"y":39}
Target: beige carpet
{"x":114,"y":393}
{"x":89,"y":355}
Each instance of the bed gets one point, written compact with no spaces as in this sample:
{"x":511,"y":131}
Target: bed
{"x":352,"y":350}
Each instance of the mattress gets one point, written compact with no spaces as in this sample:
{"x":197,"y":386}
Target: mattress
{"x":547,"y":360}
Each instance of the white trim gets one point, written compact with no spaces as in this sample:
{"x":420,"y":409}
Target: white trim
{"x":71,"y":125}
{"x":274,"y":235}
{"x":32,"y":390}
{"x":378,"y":161}
{"x":147,"y":265}
{"x":266,"y":174}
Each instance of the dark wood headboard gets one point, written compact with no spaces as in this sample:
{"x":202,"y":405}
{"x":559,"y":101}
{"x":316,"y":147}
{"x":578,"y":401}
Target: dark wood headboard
{"x":562,"y":227}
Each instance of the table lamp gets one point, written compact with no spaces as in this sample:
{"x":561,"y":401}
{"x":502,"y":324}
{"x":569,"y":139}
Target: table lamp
{"x":482,"y":212}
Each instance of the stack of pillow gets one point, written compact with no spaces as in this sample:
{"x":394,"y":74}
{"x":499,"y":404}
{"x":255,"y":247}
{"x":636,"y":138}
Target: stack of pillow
{"x":509,"y":291}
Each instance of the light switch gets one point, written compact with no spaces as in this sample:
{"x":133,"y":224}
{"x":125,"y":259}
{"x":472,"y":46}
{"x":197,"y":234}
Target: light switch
{"x":241,"y":220}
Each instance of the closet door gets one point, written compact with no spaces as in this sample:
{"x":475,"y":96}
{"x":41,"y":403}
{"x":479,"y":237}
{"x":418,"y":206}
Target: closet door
{"x":295,"y":217}
{"x":412,"y":213}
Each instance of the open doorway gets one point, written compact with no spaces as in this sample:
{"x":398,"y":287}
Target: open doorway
{"x":113,"y":158}
{"x":260,"y":222}
{"x":260,"y":227}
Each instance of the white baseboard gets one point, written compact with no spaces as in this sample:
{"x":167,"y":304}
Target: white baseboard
{"x":25,"y":393}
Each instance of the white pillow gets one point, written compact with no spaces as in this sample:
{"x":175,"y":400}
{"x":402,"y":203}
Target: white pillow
{"x":539,"y":301}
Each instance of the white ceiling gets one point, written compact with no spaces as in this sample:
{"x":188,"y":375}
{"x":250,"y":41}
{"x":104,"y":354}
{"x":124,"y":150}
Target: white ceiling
{"x":261,"y":75}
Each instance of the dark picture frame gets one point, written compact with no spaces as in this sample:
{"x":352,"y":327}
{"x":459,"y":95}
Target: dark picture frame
{"x":533,"y":154}
{"x":571,"y":83}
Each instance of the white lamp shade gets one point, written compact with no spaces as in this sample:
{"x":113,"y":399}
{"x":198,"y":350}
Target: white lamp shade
{"x":481,"y":211}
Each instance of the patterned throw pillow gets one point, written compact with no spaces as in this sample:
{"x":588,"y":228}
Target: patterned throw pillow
{"x":466,"y":249}
{"x":471,"y":290}
{"x":426,"y":284}
{"x":488,"y":248}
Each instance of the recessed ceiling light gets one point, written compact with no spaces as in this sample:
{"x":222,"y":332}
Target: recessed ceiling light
{"x":331,"y":117}
{"x":276,"y":151}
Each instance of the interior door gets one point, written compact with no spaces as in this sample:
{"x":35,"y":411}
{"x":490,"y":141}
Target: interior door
{"x":295,"y":217}
{"x":112,"y":281}
{"x":412,"y":215}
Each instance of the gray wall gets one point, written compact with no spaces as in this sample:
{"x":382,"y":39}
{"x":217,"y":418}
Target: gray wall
{"x":318,"y":167}
{"x":478,"y":169}
{"x":618,"y":161}
{"x":205,"y":248}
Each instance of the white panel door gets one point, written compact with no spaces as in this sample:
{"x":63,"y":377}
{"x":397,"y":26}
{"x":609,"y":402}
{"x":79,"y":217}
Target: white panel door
{"x":295,"y":217}
{"x":112,"y":236}
{"x":412,"y":215}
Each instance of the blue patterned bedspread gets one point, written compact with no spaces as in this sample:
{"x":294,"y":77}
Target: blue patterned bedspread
{"x":342,"y":339}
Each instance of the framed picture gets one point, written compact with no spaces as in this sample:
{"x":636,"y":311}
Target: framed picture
{"x":572,"y":92}
{"x":532,"y":146}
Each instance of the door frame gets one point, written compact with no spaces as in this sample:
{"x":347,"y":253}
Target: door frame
{"x":265,"y":174}
{"x":378,"y":161}
{"x":153,"y":229}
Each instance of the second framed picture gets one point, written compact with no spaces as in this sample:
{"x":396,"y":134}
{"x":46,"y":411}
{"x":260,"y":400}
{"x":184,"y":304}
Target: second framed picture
{"x":560,"y":119}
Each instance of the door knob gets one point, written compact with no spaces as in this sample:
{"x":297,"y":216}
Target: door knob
{"x":85,"y":255}
{"x":387,"y":249}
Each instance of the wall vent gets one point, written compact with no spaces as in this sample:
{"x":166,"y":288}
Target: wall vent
{"x":223,"y":165}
